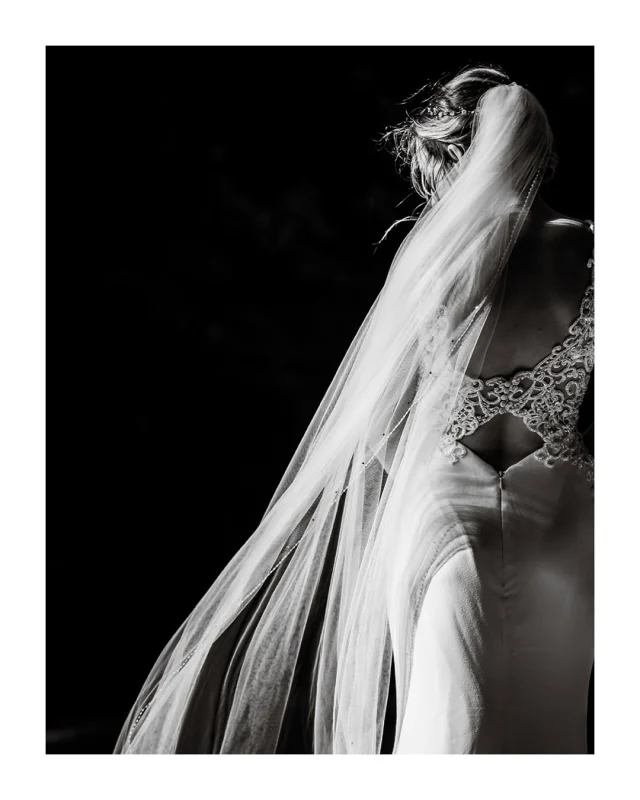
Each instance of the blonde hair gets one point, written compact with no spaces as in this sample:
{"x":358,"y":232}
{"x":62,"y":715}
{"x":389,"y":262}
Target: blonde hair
{"x":421,"y":142}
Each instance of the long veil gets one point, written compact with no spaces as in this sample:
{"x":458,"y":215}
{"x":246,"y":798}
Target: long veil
{"x":294,"y":644}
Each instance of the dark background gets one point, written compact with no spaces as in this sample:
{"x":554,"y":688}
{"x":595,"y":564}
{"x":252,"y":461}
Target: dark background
{"x":212,"y":214}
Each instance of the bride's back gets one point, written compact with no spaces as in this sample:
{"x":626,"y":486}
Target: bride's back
{"x":545,"y":282}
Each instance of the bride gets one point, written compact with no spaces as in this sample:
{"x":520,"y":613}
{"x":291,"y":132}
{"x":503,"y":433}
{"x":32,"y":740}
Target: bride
{"x":423,"y":575}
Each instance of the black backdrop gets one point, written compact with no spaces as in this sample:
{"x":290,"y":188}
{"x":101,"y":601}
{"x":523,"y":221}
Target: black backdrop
{"x":212,"y":214}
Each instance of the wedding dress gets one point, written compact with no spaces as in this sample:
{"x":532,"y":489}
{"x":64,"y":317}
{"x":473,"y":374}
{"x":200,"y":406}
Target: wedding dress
{"x":504,"y":645}
{"x":392,"y":558}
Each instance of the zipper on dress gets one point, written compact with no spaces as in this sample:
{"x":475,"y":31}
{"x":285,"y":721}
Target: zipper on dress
{"x":500,"y":474}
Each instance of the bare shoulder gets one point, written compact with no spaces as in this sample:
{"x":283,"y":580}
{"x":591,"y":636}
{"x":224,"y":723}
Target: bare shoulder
{"x":571,"y":242}
{"x":553,"y":259}
{"x":557,"y":240}
{"x":568,"y":228}
{"x":568,"y":231}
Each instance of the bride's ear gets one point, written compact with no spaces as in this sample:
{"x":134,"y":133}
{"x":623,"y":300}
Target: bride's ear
{"x":454,"y":151}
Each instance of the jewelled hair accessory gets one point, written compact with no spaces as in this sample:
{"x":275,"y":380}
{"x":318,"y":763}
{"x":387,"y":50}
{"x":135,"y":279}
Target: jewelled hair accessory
{"x":435,"y":111}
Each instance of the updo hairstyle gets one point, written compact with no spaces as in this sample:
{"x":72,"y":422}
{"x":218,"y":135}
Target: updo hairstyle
{"x":421,"y":143}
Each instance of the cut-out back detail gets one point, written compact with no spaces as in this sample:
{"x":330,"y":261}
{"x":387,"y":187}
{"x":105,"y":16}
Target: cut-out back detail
{"x":547,"y":397}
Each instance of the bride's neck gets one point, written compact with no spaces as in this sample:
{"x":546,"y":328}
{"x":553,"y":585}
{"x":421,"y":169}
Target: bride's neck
{"x":539,"y":214}
{"x":540,"y":211}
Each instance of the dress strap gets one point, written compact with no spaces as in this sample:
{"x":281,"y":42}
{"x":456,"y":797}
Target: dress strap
{"x":591,"y":262}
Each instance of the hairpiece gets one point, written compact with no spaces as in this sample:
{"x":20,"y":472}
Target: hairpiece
{"x":435,"y":111}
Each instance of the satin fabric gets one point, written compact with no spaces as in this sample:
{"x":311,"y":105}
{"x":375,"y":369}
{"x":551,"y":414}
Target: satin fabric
{"x":504,"y":639}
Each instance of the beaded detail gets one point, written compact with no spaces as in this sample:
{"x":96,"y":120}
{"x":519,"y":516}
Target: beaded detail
{"x":436,"y":111}
{"x":547,"y":398}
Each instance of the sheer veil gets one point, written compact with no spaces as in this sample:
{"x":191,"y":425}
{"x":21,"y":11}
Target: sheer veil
{"x":296,"y":639}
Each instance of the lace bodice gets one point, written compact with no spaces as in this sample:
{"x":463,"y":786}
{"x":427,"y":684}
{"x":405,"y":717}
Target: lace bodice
{"x":547,"y":398}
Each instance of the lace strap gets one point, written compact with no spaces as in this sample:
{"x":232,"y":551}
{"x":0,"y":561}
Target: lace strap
{"x":591,"y":262}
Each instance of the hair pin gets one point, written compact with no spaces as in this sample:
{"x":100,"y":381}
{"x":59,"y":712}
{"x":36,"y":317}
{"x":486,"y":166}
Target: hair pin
{"x":434,"y":111}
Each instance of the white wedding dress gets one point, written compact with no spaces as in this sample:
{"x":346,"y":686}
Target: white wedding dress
{"x":504,"y":641}
{"x":394,"y":564}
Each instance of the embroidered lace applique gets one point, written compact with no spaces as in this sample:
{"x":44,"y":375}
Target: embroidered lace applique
{"x":547,"y":398}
